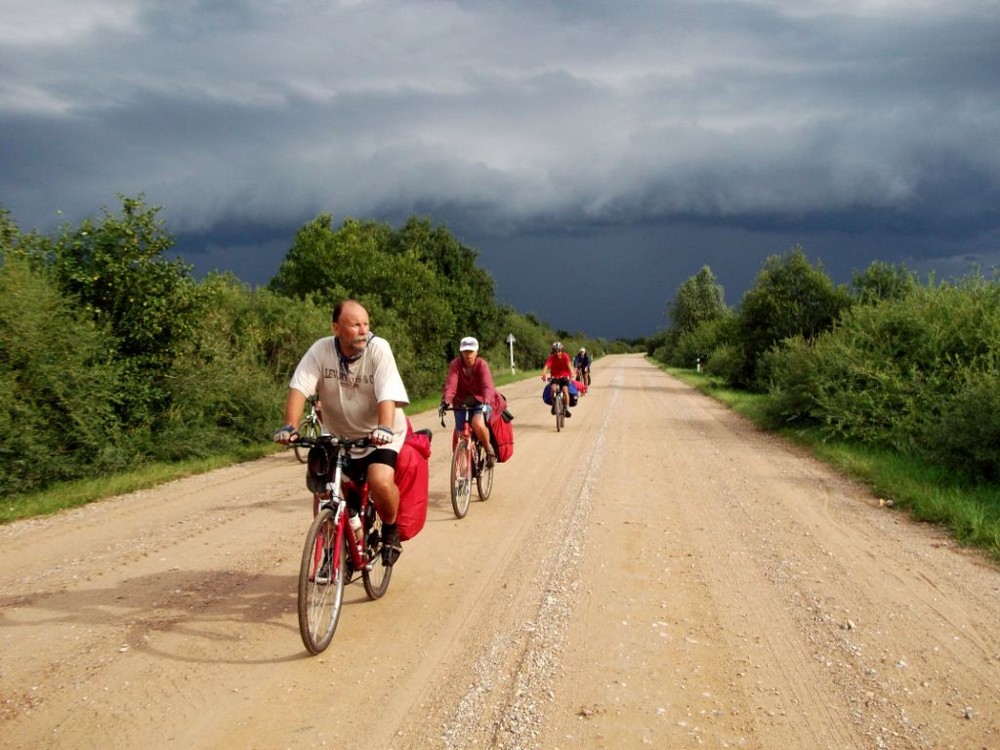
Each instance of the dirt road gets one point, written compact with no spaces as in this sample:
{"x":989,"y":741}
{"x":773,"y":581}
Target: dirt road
{"x":657,"y":575}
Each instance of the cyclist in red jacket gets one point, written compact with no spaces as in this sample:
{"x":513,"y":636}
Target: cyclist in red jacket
{"x":560,"y":366}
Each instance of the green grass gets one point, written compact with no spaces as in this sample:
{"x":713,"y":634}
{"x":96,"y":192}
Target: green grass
{"x":970,"y":511}
{"x":72,"y":494}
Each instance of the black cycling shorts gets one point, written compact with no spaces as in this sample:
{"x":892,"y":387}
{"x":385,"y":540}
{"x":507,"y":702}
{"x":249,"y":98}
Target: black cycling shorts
{"x":357,"y":468}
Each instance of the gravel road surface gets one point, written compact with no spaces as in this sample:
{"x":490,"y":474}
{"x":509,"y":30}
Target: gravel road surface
{"x":659,"y":574}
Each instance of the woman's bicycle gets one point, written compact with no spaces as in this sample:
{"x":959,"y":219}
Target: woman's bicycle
{"x":344,"y":540}
{"x":468,"y":461}
{"x":309,"y":428}
{"x":558,"y":403}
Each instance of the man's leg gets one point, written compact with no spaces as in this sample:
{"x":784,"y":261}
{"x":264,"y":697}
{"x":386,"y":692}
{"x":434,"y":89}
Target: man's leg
{"x":385,"y":494}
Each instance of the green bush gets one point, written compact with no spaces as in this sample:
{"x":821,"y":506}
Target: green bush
{"x":965,"y":435}
{"x":724,"y":362}
{"x":704,"y":338}
{"x":112,"y":355}
{"x":913,"y":374}
{"x":790,"y":297}
{"x":58,"y":384}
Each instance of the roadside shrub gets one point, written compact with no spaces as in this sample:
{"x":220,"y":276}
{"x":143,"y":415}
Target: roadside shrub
{"x":725,"y":362}
{"x":58,"y":384}
{"x":966,"y":433}
{"x":698,"y":342}
{"x":278,"y":329}
{"x":789,"y":297}
{"x":220,"y":391}
{"x":795,"y":375}
{"x":913,"y":374}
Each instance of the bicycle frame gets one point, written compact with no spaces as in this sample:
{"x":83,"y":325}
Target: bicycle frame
{"x":468,"y":462}
{"x":466,"y":433}
{"x":331,"y":554}
{"x":335,"y":494}
{"x":337,"y":504}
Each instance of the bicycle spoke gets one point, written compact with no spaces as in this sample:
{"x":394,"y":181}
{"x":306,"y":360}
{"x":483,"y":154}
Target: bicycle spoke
{"x":321,"y":583}
{"x":461,"y":478}
{"x":375,"y":574}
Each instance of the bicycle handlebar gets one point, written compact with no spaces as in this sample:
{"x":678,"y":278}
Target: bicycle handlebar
{"x":336,"y":442}
{"x":442,"y":410}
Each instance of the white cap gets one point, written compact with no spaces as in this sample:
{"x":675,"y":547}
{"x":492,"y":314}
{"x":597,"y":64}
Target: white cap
{"x":468,"y":344}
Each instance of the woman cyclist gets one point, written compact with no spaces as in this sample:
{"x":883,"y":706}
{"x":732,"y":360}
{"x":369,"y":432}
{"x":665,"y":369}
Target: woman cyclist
{"x":470,"y":383}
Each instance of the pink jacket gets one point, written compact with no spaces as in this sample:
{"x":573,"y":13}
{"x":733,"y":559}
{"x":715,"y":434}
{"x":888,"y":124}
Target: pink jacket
{"x":459,"y":384}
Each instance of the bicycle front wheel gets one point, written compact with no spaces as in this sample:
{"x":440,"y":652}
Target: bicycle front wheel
{"x":321,"y":583}
{"x":307,"y":429}
{"x":461,"y":479}
{"x":560,"y":412}
{"x":484,"y":478}
{"x":375,"y":575}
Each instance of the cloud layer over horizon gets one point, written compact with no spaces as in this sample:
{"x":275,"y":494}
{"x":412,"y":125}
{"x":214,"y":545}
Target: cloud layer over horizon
{"x":877,"y":120}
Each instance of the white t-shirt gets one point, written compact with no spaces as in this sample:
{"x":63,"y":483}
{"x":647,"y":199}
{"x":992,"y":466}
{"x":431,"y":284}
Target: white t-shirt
{"x":350,"y":398}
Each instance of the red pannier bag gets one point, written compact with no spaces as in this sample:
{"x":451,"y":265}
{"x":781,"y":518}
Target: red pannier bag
{"x":412,"y":478}
{"x":501,"y":430}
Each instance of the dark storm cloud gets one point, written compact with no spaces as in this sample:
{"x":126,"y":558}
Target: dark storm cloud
{"x":668,"y":135}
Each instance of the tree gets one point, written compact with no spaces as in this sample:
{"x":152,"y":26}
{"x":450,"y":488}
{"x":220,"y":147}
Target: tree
{"x":533,"y":340}
{"x":470,"y":289}
{"x":58,"y":381}
{"x":116,"y":269}
{"x":698,"y":306}
{"x":698,"y":300}
{"x":323,"y":261}
{"x":789,"y":297}
{"x":367,"y":261}
{"x":883,"y":281}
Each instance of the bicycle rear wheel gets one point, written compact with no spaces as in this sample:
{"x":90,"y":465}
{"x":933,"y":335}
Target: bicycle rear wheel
{"x":375,"y":575}
{"x":307,"y":429}
{"x":321,"y":583}
{"x":461,"y":478}
{"x":484,"y":477}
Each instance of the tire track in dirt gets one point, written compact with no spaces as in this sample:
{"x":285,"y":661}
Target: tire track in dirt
{"x":657,"y":574}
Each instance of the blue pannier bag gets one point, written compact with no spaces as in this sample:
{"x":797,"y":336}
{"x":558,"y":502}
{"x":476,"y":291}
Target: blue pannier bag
{"x":574,"y":394}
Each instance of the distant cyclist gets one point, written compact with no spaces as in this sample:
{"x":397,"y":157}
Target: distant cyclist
{"x":560,"y":367}
{"x":470,"y":383}
{"x":582,"y":363}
